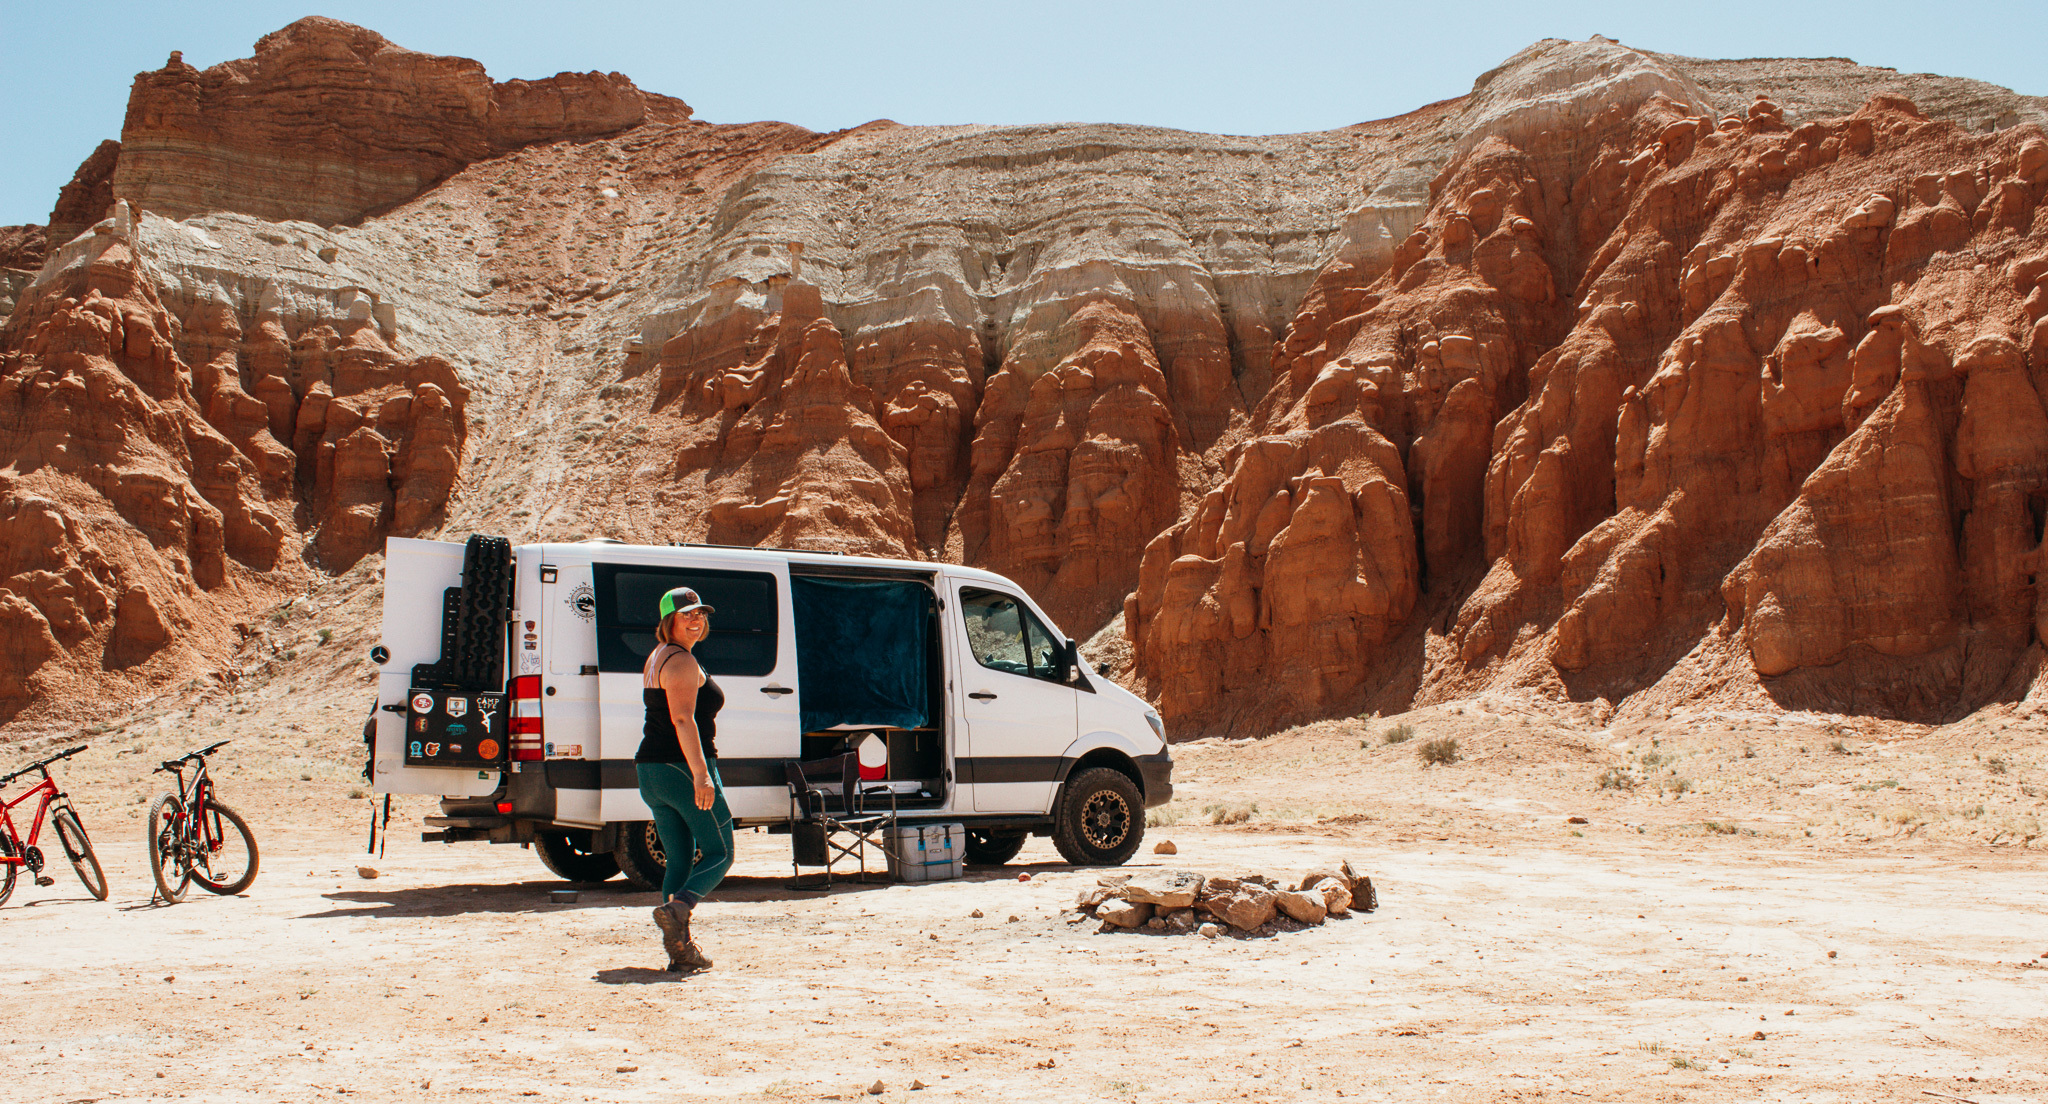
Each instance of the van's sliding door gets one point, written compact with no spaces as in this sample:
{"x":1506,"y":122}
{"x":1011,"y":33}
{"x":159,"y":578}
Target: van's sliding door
{"x":750,"y":654}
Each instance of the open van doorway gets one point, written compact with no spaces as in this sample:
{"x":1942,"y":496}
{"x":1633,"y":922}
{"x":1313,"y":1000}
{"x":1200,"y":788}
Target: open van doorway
{"x":1018,"y":708}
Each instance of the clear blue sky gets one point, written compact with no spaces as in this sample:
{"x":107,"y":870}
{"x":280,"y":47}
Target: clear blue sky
{"x":1242,"y":68}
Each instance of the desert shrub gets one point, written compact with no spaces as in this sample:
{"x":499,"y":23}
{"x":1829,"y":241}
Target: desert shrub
{"x":1839,"y":748}
{"x":1440,"y":752}
{"x":1161,"y":817}
{"x":1655,"y":759}
{"x":1399,"y":734}
{"x":1681,"y":785}
{"x":1722,"y":827}
{"x":1230,"y":812}
{"x":1617,"y":778}
{"x":1997,"y":764}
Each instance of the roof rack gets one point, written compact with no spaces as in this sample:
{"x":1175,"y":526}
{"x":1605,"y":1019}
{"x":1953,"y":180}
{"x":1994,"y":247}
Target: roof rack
{"x":754,"y":547}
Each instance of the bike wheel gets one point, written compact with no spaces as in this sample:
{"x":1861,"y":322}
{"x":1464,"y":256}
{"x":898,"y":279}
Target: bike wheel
{"x":224,"y":851}
{"x":8,"y":871}
{"x":78,"y":849}
{"x":170,"y":848}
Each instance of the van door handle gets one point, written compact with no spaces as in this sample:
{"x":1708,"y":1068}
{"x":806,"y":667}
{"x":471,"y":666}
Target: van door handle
{"x":982,"y":695}
{"x":778,"y":690}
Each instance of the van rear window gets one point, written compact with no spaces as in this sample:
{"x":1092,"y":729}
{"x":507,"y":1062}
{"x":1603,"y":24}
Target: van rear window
{"x":743,"y":628}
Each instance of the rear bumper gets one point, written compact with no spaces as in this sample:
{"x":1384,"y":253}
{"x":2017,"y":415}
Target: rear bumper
{"x":1157,"y":771}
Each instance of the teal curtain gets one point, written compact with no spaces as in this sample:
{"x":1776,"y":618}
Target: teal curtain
{"x":862,"y":652}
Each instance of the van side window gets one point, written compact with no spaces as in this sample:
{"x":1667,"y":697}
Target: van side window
{"x":1006,"y":637}
{"x":743,"y":630}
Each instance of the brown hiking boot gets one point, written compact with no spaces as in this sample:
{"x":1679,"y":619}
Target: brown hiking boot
{"x":693,"y":958}
{"x":673,"y":918}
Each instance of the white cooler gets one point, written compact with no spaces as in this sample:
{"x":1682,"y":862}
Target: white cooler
{"x":926,"y":852}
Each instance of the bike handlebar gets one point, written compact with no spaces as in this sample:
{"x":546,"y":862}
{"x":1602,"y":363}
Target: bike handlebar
{"x":41,"y":763}
{"x":180,"y":761}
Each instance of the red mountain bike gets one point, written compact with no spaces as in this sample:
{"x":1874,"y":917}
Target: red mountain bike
{"x":16,"y":852}
{"x":193,"y":837}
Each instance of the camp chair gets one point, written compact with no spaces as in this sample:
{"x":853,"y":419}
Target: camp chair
{"x":818,"y":814}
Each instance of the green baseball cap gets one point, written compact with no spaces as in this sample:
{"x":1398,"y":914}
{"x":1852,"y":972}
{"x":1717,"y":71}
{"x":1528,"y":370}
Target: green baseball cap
{"x":683,"y":600}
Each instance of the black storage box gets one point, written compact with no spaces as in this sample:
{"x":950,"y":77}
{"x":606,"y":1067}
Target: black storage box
{"x":455,"y":728}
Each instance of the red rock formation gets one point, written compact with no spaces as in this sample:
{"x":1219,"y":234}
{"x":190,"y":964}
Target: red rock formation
{"x":23,"y":247}
{"x":105,"y":420}
{"x":1788,"y":407}
{"x":329,"y":121}
{"x":89,"y":197}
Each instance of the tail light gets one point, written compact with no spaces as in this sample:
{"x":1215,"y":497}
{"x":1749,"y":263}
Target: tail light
{"x":527,"y":745}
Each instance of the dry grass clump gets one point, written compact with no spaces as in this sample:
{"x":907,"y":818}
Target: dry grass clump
{"x":1440,"y":752}
{"x":1237,"y":812}
{"x":1399,"y":734}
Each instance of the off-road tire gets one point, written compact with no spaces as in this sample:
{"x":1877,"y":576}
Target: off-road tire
{"x":8,"y":871}
{"x":78,"y":848}
{"x":166,"y":858}
{"x":1100,"y":819}
{"x":994,"y":846}
{"x":231,"y":821}
{"x":562,"y":858}
{"x":639,"y":855}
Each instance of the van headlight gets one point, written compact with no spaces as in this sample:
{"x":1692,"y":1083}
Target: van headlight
{"x":1158,"y":726}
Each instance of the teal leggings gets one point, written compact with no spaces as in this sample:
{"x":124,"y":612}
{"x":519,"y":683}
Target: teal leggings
{"x":696,"y":842}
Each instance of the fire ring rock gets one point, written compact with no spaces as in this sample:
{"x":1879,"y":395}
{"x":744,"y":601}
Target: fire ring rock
{"x":1166,"y":889}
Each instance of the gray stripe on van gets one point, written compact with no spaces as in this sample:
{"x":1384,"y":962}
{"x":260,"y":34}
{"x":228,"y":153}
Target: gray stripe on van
{"x":622,"y":774}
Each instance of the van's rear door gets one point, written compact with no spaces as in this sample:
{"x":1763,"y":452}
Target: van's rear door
{"x":751,"y":652}
{"x":416,"y":575}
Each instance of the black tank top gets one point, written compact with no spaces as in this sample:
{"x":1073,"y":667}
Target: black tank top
{"x":658,"y":740}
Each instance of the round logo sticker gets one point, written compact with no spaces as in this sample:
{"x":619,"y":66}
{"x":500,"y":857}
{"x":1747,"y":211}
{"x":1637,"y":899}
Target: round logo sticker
{"x":487,"y":749}
{"x":423,"y":703}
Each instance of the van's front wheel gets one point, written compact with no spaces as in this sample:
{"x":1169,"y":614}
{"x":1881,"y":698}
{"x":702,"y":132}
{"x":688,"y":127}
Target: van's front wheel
{"x":1101,"y":818}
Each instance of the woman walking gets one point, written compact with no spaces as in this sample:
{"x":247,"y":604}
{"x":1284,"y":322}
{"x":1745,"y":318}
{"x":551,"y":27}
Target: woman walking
{"x":678,"y":768}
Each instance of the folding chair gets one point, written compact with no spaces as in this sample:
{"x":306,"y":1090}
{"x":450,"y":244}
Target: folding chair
{"x":817,"y":814}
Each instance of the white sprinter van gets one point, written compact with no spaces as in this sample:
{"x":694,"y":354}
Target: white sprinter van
{"x":977,"y":705}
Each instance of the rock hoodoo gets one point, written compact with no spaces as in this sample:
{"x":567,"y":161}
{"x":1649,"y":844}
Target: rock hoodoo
{"x":1626,"y":375}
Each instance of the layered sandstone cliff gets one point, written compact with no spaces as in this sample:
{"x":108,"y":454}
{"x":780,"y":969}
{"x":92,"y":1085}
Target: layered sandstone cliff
{"x":1625,"y":376}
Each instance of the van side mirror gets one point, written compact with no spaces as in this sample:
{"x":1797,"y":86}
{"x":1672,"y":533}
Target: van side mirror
{"x":1070,"y":660}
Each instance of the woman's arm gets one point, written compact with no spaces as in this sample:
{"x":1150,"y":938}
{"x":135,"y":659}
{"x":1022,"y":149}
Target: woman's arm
{"x":680,"y":682}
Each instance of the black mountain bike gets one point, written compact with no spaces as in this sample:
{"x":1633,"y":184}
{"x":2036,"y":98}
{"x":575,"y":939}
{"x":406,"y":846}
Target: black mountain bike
{"x":195,"y":838}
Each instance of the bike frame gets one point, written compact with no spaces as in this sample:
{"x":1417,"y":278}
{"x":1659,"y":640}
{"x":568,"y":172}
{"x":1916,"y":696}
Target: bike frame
{"x":51,"y":795}
{"x":195,"y":797}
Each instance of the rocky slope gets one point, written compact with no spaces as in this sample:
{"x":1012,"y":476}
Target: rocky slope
{"x":1626,"y":377}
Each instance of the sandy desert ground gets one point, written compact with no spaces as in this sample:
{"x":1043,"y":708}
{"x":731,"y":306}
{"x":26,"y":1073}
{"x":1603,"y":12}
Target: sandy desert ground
{"x":1778,"y":909}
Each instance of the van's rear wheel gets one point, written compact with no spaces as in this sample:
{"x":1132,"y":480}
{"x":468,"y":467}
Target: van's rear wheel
{"x":571,"y":863}
{"x":1101,"y":818}
{"x":993,"y":847}
{"x":639,"y":855}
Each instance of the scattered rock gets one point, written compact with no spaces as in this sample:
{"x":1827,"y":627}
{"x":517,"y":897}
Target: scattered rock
{"x":1165,"y":847}
{"x":916,"y":1085}
{"x":976,"y":914}
{"x":1208,"y":931}
{"x":629,"y":1069}
{"x":366,"y":872}
{"x":1093,"y":896}
{"x":1024,"y":877}
{"x":1758,"y":1036}
{"x":876,"y":1088}
{"x":1575,"y":820}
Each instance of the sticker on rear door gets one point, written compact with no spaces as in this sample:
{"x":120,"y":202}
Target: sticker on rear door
{"x":457,"y":706}
{"x":423,"y":703}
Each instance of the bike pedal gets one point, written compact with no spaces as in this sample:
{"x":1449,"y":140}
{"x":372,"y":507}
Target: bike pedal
{"x":45,"y":880}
